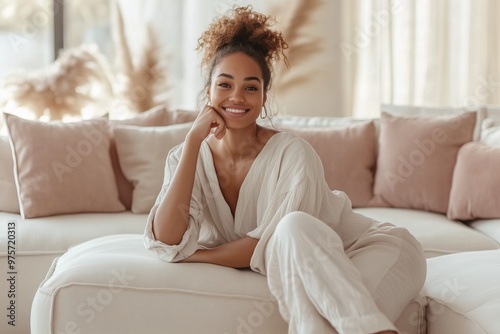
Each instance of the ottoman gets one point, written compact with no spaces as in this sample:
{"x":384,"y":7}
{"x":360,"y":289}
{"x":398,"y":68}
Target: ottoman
{"x":463,"y":292}
{"x":114,"y":285}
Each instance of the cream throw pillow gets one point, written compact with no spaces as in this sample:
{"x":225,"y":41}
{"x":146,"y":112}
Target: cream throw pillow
{"x":183,"y":116}
{"x":416,"y":159}
{"x":62,"y":167}
{"x":156,"y":116}
{"x":142,"y":152}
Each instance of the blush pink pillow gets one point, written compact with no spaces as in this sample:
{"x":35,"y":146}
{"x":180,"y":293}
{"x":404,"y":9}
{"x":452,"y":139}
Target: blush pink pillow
{"x":475,"y":191}
{"x":157,"y":116}
{"x":416,"y":160}
{"x":62,"y":167}
{"x":348,"y":155}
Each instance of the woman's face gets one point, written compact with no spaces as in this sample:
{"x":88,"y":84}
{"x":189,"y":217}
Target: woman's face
{"x":236,"y":90}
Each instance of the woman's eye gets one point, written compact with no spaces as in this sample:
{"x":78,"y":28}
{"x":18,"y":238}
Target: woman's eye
{"x":223,"y":85}
{"x":252,"y":88}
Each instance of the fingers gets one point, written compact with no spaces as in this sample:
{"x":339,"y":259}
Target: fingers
{"x":209,"y":120}
{"x":220,"y":131}
{"x":217,"y":122}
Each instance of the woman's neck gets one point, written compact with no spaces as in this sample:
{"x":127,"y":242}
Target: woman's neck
{"x":242,"y":143}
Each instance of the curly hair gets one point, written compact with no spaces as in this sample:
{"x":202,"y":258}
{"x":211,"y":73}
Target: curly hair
{"x":244,"y":31}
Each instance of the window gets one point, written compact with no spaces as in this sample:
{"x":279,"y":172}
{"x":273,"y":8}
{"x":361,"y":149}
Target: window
{"x":28,"y":39}
{"x":26,"y":35}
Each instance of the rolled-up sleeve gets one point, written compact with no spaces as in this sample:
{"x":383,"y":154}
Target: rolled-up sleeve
{"x":189,"y":243}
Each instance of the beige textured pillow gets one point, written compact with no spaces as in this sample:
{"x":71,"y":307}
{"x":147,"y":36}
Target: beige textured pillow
{"x":156,"y":116}
{"x":416,"y":160}
{"x":183,"y":116}
{"x":8,"y":192}
{"x":142,"y":152}
{"x":62,"y":167}
{"x":475,"y":191}
{"x":348,"y":155}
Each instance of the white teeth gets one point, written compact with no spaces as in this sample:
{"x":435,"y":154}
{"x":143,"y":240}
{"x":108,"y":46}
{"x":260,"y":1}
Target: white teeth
{"x":238,"y":111}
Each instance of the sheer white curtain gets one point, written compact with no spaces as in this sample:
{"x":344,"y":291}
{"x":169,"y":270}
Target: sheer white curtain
{"x":436,"y":53}
{"x":347,"y":57}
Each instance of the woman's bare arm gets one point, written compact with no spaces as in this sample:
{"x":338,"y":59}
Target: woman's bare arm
{"x":234,"y":254}
{"x":172,"y":216}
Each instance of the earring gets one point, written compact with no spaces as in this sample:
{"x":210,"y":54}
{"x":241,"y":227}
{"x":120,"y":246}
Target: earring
{"x":209,"y":103}
{"x":265,"y":113}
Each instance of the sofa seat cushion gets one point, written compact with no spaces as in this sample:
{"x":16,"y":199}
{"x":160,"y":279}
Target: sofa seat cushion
{"x":122,"y":277}
{"x":490,"y":227}
{"x":56,"y":234}
{"x":437,"y":234}
{"x":91,"y":287}
{"x":463,"y":293}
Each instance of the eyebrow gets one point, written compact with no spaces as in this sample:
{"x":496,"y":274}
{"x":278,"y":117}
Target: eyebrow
{"x":231,"y":77}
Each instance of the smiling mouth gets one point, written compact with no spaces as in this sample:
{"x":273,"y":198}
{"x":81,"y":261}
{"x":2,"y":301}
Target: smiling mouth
{"x":235,"y":110}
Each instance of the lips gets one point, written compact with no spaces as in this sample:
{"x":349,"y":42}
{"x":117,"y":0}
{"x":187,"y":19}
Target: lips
{"x":235,"y":111}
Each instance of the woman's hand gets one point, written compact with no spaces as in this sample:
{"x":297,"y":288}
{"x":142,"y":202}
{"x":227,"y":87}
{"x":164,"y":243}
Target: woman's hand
{"x":207,"y":119}
{"x":234,"y":254}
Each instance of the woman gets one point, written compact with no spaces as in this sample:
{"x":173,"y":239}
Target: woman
{"x":249,"y":196}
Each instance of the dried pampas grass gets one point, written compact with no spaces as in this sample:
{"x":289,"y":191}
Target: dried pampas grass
{"x":292,"y":18}
{"x":141,"y":86}
{"x":64,"y":88}
{"x":81,"y":79}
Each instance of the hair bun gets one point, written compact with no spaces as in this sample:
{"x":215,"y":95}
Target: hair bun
{"x":243,"y":25}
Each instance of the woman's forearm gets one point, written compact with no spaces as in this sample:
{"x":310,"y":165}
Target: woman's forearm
{"x":234,"y":254}
{"x":172,"y":216}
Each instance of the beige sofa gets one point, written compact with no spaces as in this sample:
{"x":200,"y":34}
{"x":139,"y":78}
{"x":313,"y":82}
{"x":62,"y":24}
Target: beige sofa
{"x":108,"y":274}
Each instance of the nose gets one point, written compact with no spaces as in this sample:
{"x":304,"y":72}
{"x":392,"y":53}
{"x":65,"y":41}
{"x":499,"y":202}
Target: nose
{"x":236,"y":96}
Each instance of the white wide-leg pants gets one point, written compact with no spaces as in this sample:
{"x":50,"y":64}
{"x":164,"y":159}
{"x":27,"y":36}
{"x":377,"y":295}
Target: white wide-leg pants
{"x":322,"y":288}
